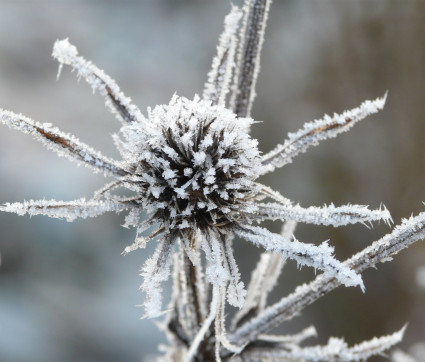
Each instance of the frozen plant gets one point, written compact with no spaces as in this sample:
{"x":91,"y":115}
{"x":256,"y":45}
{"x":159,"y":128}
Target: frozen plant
{"x":192,"y":165}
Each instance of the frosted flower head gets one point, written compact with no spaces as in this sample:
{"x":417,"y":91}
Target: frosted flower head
{"x":195,"y":164}
{"x":193,"y":167}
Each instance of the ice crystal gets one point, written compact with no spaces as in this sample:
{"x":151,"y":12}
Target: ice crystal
{"x":193,"y":166}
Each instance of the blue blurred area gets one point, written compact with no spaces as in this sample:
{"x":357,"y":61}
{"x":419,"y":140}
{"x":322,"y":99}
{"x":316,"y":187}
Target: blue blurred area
{"x":66,"y":293}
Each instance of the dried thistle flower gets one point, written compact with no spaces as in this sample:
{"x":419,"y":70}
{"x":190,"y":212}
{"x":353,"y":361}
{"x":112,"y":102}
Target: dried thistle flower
{"x":194,"y":167}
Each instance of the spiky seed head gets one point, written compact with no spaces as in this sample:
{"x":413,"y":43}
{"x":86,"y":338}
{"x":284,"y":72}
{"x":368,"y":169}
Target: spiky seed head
{"x":196,"y":163}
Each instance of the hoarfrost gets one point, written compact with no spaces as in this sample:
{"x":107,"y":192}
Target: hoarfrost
{"x":155,"y":271}
{"x":68,"y":210}
{"x":318,"y":257}
{"x":335,"y":350}
{"x":325,"y":215}
{"x":115,"y":100}
{"x":192,"y":166}
{"x":314,"y":132}
{"x":62,"y":143}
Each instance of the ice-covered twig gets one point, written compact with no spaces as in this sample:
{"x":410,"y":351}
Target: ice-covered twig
{"x":175,"y":324}
{"x":192,"y":301}
{"x":105,"y":190}
{"x":155,"y":271}
{"x":128,"y":181}
{"x":62,"y":143}
{"x":115,"y":100}
{"x":251,"y":40}
{"x":214,"y":305}
{"x":69,"y":210}
{"x":141,"y":241}
{"x":187,"y":311}
{"x":220,"y":330}
{"x":291,"y":339}
{"x":325,"y":215}
{"x":236,"y":290}
{"x":266,"y":191}
{"x":223,"y":63}
{"x":217,"y":269}
{"x":263,"y":279}
{"x":382,"y":250}
{"x":336,"y":350}
{"x":314,"y":132}
{"x":319,"y":257}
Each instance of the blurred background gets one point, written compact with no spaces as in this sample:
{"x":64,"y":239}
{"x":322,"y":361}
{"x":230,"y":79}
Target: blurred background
{"x":66,"y":293}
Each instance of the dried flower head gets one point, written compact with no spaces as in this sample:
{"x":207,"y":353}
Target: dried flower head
{"x":192,"y":165}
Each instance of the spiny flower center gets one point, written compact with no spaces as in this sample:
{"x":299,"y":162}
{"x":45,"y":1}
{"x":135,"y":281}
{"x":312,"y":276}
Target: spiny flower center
{"x":198,"y":164}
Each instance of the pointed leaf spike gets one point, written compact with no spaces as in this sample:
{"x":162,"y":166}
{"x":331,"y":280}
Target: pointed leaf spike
{"x":326,"y":215}
{"x":69,"y":210}
{"x":314,"y":132}
{"x":123,"y":108}
{"x":63,"y":144}
{"x":155,"y":271}
{"x":318,"y":257}
{"x":220,"y":76}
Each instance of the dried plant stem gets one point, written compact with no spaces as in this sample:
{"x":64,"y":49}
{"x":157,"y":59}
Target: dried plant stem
{"x":206,"y":325}
{"x":248,"y":61}
{"x":380,"y":251}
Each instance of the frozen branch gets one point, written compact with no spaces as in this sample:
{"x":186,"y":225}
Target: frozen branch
{"x":115,"y":100}
{"x":217,"y":269}
{"x":236,"y":290}
{"x":223,"y":63}
{"x":69,"y":210}
{"x":263,"y":279}
{"x":141,"y":241}
{"x":314,"y":132}
{"x":214,"y":306}
{"x":382,"y":250}
{"x":291,"y":339}
{"x":336,"y":350}
{"x":319,"y":257}
{"x":174,"y":324}
{"x":251,"y":41}
{"x":155,"y":271}
{"x":192,"y":296}
{"x":63,"y":144}
{"x":325,"y":215}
